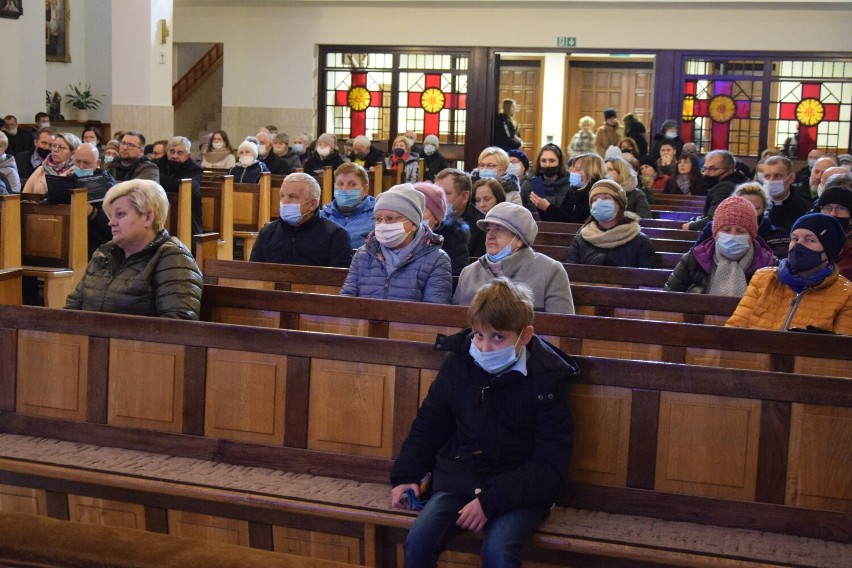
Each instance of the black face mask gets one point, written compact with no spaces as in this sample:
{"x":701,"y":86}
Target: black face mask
{"x":43,"y":152}
{"x":710,"y":181}
{"x":802,"y":259}
{"x":549,"y":171}
{"x":844,"y":222}
{"x":399,"y":152}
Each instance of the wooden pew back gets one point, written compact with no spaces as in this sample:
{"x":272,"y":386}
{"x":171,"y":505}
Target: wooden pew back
{"x":10,"y":231}
{"x":756,"y":449}
{"x":217,"y":216}
{"x":179,"y":219}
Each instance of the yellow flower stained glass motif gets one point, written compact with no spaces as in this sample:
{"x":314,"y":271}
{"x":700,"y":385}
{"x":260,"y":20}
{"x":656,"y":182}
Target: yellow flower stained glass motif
{"x":722,"y":108}
{"x":359,"y":98}
{"x":810,"y":112}
{"x":432,"y":100}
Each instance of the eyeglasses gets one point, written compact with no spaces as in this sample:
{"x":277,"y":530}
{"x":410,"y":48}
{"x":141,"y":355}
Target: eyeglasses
{"x":129,"y":145}
{"x":388,"y":220}
{"x":832,"y":208}
{"x":711,"y":169}
{"x":59,"y":147}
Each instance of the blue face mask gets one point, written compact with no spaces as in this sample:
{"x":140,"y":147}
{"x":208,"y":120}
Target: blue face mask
{"x":575,"y":179}
{"x":299,"y":148}
{"x":802,"y":259}
{"x":291,"y":213}
{"x":811,"y":164}
{"x":347,"y":197}
{"x":487,"y":174}
{"x":604,"y":210}
{"x":495,"y":361}
{"x":80,"y":172}
{"x":504,"y":252}
{"x":732,"y":246}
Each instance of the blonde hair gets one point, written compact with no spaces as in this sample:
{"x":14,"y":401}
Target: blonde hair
{"x":502,"y":305}
{"x":623,"y":168}
{"x":592,"y":166}
{"x":752,"y":188}
{"x":145,"y":196}
{"x":353,"y":168}
{"x":404,"y":140}
{"x":499,"y":154}
{"x":586,"y":119}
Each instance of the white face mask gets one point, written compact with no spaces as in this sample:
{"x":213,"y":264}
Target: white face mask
{"x":514,"y":169}
{"x":429,"y":149}
{"x":391,"y":234}
{"x":217,"y":145}
{"x":323,"y":151}
{"x":411,"y":142}
{"x":246,"y":160}
{"x":261,"y":150}
{"x":775,"y":188}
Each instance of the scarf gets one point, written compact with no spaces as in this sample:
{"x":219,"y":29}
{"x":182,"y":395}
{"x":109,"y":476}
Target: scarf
{"x":728,"y":276}
{"x":683,"y":183}
{"x":799,"y":283}
{"x":215,"y":156}
{"x":630,"y":183}
{"x":610,"y":238}
{"x":57,"y":169}
{"x":393,"y":258}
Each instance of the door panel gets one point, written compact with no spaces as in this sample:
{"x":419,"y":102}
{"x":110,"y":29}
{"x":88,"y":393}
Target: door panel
{"x":521,"y":80}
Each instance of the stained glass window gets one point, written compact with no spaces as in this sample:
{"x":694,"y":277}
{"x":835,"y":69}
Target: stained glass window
{"x":386,"y":92}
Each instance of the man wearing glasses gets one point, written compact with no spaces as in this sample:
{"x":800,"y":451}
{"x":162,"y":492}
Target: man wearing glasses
{"x":132,"y":162}
{"x":721,"y":177}
{"x":174,"y":166}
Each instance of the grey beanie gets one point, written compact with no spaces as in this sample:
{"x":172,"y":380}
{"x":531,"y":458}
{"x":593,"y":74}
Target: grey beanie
{"x":513,"y":217}
{"x":402,"y":199}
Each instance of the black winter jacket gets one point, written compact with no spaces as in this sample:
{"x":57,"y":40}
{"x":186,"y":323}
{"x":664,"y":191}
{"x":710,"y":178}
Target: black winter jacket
{"x":508,"y":435}
{"x":637,"y":253}
{"x":716,"y":195}
{"x":316,"y":242}
{"x":456,"y":235}
{"x":171,"y":172}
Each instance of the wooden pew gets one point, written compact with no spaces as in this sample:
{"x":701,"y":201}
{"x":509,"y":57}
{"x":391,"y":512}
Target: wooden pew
{"x":565,"y":239}
{"x":251,"y":210}
{"x":217,"y":217}
{"x":653,"y":232}
{"x":10,"y":231}
{"x":659,"y":448}
{"x":179,"y":220}
{"x":328,"y":280}
{"x":663,"y":260}
{"x":11,"y":286}
{"x":54,"y":241}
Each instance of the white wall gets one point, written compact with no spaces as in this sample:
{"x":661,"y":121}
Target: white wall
{"x":22,"y":83}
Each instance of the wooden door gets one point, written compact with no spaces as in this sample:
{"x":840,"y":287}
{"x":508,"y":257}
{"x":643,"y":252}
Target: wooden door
{"x":592,"y":86}
{"x":521,"y":79}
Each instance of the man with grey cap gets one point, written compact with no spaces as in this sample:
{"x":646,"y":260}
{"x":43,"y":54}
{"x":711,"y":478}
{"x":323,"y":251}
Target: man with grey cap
{"x":402,"y":259}
{"x":510,"y":232}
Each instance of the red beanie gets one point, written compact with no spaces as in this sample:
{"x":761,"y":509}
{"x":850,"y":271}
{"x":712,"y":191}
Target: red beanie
{"x":736,"y":211}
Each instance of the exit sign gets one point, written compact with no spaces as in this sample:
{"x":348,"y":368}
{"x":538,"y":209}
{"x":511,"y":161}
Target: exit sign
{"x":566,"y":42}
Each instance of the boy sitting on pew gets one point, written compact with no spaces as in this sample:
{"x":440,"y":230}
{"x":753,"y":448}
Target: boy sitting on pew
{"x":495,"y":432}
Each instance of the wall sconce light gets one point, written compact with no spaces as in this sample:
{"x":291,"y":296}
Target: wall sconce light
{"x":163,"y":27}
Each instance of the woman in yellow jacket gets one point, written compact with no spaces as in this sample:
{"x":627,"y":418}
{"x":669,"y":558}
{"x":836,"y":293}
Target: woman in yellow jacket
{"x":806,"y":291}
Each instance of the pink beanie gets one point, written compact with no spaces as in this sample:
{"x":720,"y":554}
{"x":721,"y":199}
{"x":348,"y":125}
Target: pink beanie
{"x":736,"y":211}
{"x":436,"y":199}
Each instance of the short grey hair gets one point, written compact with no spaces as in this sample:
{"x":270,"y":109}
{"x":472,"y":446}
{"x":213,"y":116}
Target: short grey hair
{"x":281,"y":137}
{"x":306,"y":180}
{"x":70,"y":139}
{"x":176,"y":141}
{"x":728,"y":160}
{"x":266,"y":133}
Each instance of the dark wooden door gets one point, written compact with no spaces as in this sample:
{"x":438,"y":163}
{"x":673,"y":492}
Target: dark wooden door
{"x":520,"y":79}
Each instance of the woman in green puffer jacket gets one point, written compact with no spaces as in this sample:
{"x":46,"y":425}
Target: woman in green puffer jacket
{"x":142,"y":270}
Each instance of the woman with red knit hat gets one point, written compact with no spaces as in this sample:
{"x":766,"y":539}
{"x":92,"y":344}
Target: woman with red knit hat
{"x":723,"y":265}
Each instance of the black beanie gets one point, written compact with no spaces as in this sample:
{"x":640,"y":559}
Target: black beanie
{"x":610,"y":113}
{"x":827,"y":229}
{"x":838,"y":195}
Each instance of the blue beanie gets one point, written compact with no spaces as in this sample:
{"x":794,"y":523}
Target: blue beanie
{"x":827,"y":229}
{"x":520,"y":155}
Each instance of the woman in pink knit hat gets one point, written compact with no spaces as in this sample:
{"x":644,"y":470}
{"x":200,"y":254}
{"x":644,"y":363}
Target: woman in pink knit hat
{"x":723,"y":265}
{"x":438,"y":217}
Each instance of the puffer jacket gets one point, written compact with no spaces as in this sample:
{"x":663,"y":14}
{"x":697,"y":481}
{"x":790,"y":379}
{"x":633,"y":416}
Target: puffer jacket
{"x":546,"y":278}
{"x":9,"y":168}
{"x":504,"y":438}
{"x":161,"y":280}
{"x":424,"y":276}
{"x":637,"y":253}
{"x":770,"y":304}
{"x":248,"y":174}
{"x":693,"y":270}
{"x":358,"y":223}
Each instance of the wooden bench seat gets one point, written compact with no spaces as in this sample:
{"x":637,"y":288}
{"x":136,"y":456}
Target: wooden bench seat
{"x":10,"y":231}
{"x":742,"y":449}
{"x":659,"y":244}
{"x":10,"y":286}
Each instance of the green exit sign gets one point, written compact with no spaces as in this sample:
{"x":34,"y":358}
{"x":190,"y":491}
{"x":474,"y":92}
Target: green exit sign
{"x":566,"y":42}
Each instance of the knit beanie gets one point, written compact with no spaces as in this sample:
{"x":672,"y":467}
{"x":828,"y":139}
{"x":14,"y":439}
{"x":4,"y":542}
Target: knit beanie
{"x":250,"y":146}
{"x":611,"y":188}
{"x":612,"y":152}
{"x":520,"y":155}
{"x":328,"y":138}
{"x":514,"y":218}
{"x":838,"y":195}
{"x":402,"y":199}
{"x":610,"y":113}
{"x":433,"y":140}
{"x":827,"y":229}
{"x":737,"y":211}
{"x":648,"y":161}
{"x":436,"y":199}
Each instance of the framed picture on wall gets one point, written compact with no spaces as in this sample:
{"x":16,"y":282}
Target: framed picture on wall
{"x":11,"y":9}
{"x":56,"y":17}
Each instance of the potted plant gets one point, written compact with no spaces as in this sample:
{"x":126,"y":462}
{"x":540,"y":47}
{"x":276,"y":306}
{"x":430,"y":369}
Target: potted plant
{"x":82,"y":99}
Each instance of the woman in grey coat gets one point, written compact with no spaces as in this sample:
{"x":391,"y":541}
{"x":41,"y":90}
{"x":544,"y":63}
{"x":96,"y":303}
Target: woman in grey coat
{"x":510,"y":231}
{"x":402,"y":259}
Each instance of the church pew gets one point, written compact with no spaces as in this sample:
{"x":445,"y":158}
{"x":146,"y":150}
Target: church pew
{"x":10,"y":231}
{"x":660,"y":245}
{"x":179,"y":219}
{"x":326,"y":280}
{"x":251,"y":210}
{"x":54,"y":240}
{"x":620,"y":337}
{"x":739,"y":450}
{"x":217,"y":217}
{"x":10,"y":286}
{"x":673,"y":215}
{"x":663,"y":224}
{"x":662,"y":260}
